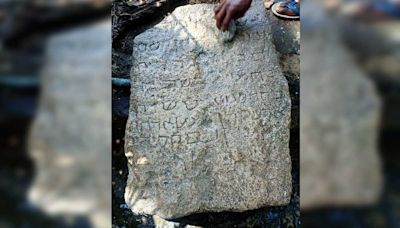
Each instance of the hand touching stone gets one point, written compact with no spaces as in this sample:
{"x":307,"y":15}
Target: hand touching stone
{"x":228,"y":10}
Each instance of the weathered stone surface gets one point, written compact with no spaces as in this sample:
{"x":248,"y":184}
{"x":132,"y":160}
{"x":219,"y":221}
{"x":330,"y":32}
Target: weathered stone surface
{"x":208,"y":128}
{"x":339,"y":121}
{"x":70,"y":136}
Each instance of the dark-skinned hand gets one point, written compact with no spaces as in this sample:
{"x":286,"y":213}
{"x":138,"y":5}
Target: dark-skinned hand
{"x":228,"y":10}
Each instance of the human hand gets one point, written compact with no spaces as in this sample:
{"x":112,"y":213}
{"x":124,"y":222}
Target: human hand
{"x":228,"y":10}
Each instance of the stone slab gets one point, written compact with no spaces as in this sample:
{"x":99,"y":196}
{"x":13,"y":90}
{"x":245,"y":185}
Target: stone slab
{"x":208,"y":127}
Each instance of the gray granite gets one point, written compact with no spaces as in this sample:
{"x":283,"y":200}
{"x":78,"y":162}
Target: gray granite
{"x":208,"y":128}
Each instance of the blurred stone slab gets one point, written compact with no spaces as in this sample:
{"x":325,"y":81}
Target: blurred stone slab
{"x":70,"y":139}
{"x":339,"y":121}
{"x":208,"y":128}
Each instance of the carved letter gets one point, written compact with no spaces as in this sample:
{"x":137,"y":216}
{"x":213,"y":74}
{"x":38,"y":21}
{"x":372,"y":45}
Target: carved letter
{"x":190,"y":105}
{"x":163,"y":140}
{"x":192,"y":137}
{"x":169,"y":105}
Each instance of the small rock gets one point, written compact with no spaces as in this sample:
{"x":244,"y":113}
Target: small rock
{"x":228,"y":35}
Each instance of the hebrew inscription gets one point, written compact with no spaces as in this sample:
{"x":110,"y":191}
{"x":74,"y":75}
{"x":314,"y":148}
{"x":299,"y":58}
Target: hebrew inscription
{"x":210,"y":119}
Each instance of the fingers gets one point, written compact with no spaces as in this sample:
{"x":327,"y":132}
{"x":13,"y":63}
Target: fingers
{"x":221,"y":15}
{"x":219,"y":7}
{"x":227,"y":20}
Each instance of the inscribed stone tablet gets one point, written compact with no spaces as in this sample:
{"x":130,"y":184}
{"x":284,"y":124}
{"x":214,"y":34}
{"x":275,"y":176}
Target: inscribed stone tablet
{"x":208,"y":129}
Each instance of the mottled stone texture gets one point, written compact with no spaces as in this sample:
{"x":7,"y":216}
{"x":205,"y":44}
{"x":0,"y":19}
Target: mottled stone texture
{"x":339,"y":122}
{"x":70,"y":138}
{"x":208,"y":128}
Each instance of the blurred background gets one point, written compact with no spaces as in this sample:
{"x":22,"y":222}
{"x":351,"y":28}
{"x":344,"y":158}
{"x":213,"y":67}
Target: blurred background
{"x":349,"y":113}
{"x":48,"y":48}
